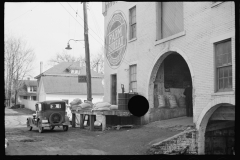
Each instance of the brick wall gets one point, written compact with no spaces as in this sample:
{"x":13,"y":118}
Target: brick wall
{"x":202,"y":23}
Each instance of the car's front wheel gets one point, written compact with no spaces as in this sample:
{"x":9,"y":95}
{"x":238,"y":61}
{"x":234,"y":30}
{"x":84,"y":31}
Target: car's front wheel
{"x":40,"y":128}
{"x":65,"y":127}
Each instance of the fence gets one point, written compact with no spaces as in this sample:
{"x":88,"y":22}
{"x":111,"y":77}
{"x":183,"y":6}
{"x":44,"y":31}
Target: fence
{"x":30,"y":104}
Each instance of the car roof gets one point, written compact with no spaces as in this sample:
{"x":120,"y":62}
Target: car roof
{"x":53,"y":101}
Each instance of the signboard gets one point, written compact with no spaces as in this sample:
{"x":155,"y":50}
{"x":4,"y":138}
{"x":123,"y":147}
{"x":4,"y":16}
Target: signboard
{"x":82,"y":79}
{"x":116,"y":39}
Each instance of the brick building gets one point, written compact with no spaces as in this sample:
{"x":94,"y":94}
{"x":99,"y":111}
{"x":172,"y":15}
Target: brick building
{"x":157,"y":48}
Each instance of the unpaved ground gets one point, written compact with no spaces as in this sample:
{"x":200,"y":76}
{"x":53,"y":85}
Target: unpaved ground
{"x":78,"y":141}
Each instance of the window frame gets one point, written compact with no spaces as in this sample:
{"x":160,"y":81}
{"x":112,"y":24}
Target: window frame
{"x":131,"y":81}
{"x":34,"y":87}
{"x":132,"y":24}
{"x":34,"y":98}
{"x":159,"y":27}
{"x":58,"y":106}
{"x":224,"y":67}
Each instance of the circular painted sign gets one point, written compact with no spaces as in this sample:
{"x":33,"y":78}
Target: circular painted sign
{"x":116,"y":39}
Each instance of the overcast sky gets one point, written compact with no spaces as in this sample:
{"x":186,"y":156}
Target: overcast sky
{"x":47,"y":27}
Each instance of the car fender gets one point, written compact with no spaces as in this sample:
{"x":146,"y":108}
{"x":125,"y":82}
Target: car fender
{"x":39,"y":119}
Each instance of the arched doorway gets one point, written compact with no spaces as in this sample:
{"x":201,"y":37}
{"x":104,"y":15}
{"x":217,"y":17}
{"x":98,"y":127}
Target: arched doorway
{"x":169,"y":78}
{"x":215,"y":127}
{"x":220,"y":135}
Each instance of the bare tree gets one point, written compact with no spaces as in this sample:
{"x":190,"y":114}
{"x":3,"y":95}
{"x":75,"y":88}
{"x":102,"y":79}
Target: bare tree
{"x":64,"y":57}
{"x":18,"y":61}
{"x":97,"y":62}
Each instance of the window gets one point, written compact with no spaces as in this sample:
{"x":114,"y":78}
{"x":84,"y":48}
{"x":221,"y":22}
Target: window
{"x":34,"y":98}
{"x":223,"y":59}
{"x":38,"y":107}
{"x":133,"y":78}
{"x":24,"y":97}
{"x":53,"y":106}
{"x":132,"y":22}
{"x":75,"y":71}
{"x":170,"y":19}
{"x":34,"y":89}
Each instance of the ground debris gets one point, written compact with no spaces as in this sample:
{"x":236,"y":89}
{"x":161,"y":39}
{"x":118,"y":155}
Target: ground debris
{"x":118,"y":127}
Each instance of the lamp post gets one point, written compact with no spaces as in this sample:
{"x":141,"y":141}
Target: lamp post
{"x":88,"y":71}
{"x":68,"y":45}
{"x":87,"y":55}
{"x":89,"y":94}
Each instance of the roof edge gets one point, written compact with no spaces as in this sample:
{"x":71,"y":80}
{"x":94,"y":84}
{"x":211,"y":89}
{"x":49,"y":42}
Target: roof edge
{"x":66,"y":75}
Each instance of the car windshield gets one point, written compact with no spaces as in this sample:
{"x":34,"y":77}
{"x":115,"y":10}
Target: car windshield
{"x":55,"y":106}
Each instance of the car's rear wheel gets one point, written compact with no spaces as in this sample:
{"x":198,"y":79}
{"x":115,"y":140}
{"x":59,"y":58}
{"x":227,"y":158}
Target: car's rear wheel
{"x":52,"y":127}
{"x":55,"y":118}
{"x":65,"y":127}
{"x":28,"y":126}
{"x":40,"y":128}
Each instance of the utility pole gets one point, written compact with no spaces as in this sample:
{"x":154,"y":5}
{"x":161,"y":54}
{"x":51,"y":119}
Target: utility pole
{"x":87,"y":55}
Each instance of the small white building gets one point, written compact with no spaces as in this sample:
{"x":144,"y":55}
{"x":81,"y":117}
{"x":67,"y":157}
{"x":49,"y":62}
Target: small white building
{"x":61,"y":83}
{"x":28,"y":90}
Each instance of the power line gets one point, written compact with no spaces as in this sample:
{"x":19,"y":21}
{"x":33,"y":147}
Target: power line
{"x":80,"y":24}
{"x":92,"y":15}
{"x":22,"y":14}
{"x":123,"y":59}
{"x":88,"y":26}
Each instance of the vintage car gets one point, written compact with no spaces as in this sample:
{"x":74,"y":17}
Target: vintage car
{"x":49,"y":114}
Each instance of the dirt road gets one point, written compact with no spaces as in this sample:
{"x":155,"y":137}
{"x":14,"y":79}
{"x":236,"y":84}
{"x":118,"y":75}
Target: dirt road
{"x":78,"y":141}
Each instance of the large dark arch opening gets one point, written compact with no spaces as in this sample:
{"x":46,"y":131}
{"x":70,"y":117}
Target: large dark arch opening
{"x":172,"y":77}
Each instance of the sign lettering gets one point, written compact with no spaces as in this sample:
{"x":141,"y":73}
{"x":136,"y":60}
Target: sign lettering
{"x":116,"y":39}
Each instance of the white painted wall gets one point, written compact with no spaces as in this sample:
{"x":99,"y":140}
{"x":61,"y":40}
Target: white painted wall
{"x":29,"y":104}
{"x":41,"y":93}
{"x":96,"y":98}
{"x":204,"y":24}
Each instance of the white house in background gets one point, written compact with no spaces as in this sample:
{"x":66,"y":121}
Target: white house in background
{"x":61,"y":83}
{"x":28,"y":90}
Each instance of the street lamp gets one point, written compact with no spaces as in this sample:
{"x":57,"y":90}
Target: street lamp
{"x":68,"y":45}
